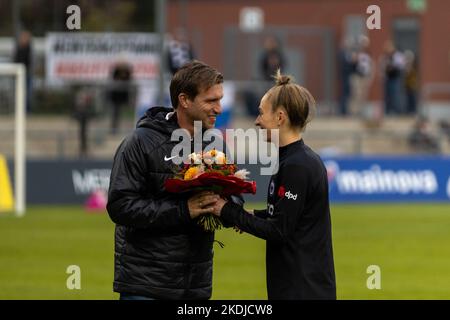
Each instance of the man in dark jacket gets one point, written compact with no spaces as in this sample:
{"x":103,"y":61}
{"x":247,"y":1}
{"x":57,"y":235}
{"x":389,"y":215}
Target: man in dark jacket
{"x":160,"y":251}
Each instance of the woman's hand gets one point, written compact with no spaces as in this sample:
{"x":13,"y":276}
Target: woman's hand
{"x":218,"y":205}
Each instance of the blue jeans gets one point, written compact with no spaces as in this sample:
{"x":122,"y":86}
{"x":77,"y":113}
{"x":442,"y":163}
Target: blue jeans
{"x":392,"y":92}
{"x":126,"y":296}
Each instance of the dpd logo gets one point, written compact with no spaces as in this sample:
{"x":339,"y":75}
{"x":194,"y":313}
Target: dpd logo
{"x":289,"y":195}
{"x":283,"y":193}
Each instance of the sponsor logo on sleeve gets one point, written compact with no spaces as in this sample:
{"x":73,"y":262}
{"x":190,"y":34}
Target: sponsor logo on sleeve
{"x":288,"y":194}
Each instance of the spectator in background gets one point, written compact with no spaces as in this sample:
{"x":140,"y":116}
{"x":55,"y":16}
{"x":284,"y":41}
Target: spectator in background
{"x":421,"y":138}
{"x":361,"y":77}
{"x":24,"y":54}
{"x":347,"y":66}
{"x":411,"y":82}
{"x":83,"y":112}
{"x":393,"y":64}
{"x":120,"y":92}
{"x":444,"y":126}
{"x":179,"y":51}
{"x":272,"y":58}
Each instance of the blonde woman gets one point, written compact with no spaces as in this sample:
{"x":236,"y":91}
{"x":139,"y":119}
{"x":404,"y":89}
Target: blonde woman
{"x":296,"y":223}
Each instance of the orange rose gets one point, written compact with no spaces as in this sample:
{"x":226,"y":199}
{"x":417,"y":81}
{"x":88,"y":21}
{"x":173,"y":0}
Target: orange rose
{"x":192,"y":173}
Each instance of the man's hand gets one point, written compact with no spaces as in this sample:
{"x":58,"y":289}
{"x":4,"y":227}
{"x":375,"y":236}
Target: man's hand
{"x":202,"y":203}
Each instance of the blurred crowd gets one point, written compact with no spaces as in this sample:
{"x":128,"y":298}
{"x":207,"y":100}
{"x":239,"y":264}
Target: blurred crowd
{"x":397,"y":70}
{"x":358,"y":71}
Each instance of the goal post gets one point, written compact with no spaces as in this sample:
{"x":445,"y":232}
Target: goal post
{"x":18,"y":72}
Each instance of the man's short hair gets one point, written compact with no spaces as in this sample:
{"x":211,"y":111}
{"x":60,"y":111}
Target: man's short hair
{"x":192,"y":78}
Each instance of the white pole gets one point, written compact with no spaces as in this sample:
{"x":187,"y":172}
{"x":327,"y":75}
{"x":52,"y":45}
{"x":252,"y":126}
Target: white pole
{"x":19,"y":166}
{"x":18,"y":70}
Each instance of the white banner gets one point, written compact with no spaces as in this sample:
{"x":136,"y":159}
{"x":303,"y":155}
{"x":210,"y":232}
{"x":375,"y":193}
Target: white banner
{"x":78,"y":56}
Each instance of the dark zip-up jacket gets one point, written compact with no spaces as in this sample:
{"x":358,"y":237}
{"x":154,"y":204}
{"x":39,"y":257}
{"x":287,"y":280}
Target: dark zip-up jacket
{"x":160,"y":252}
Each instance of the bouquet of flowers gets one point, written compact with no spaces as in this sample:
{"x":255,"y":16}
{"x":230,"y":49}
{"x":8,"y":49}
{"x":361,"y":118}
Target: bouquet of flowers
{"x":210,"y":171}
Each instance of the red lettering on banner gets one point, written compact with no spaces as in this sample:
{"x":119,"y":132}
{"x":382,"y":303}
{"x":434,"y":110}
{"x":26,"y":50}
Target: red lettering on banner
{"x":83,"y":69}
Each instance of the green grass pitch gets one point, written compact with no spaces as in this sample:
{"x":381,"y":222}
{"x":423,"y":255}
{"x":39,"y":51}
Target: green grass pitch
{"x":410,"y":243}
